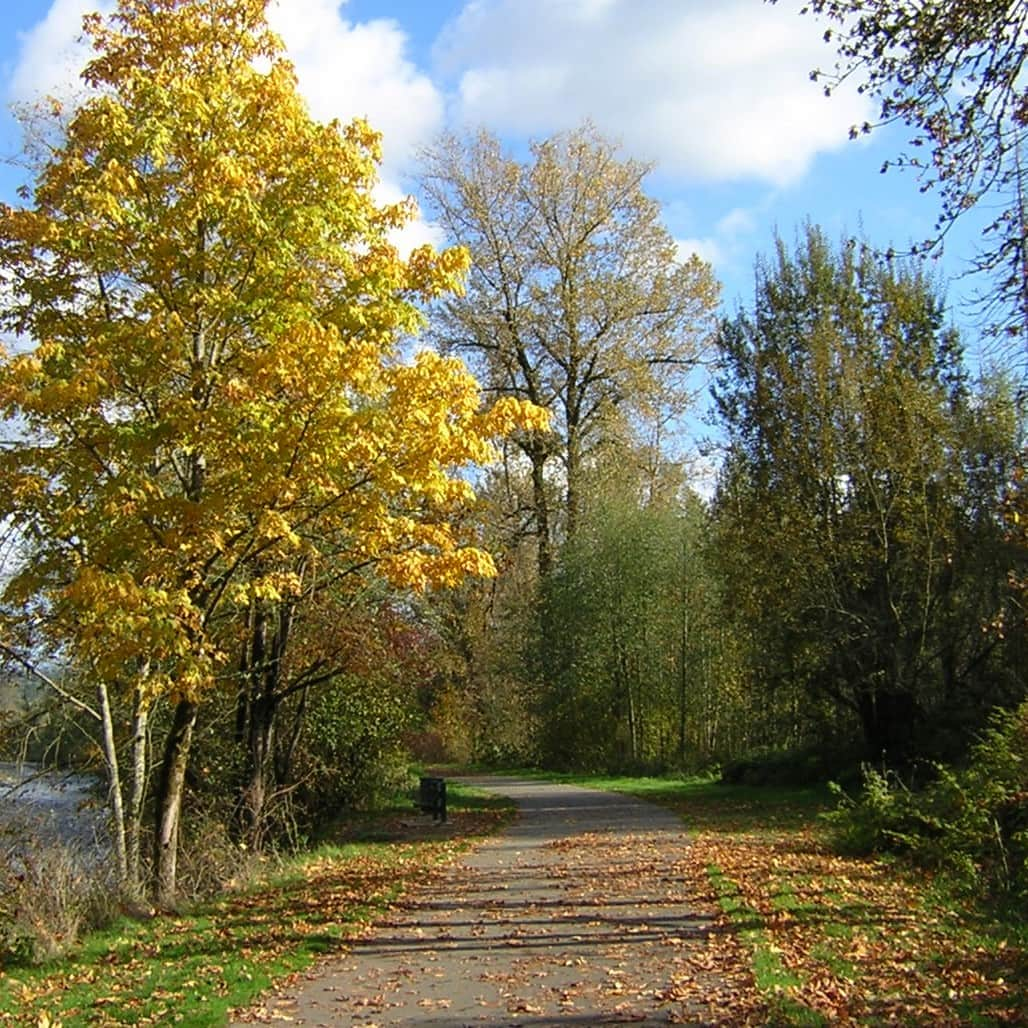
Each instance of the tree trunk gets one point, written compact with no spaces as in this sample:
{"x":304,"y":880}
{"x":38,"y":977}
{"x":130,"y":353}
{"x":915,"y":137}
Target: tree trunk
{"x":259,"y":772}
{"x":170,"y":788}
{"x":113,"y":783}
{"x":573,"y":467}
{"x":683,"y":683}
{"x":260,"y":751}
{"x":888,"y":718}
{"x":258,"y":735}
{"x":284,"y":758}
{"x":245,"y":690}
{"x":137,"y":798}
{"x":537,"y":455}
{"x":267,"y":650}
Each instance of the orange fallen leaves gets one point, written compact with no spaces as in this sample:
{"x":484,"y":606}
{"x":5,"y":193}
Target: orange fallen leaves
{"x":247,"y":931}
{"x":864,"y":941}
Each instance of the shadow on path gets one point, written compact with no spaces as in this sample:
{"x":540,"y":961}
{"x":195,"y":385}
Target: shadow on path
{"x":579,"y":913}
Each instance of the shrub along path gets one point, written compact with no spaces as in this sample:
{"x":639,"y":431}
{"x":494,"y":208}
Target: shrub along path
{"x":585,"y":911}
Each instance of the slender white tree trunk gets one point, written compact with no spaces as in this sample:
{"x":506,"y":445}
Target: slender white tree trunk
{"x":113,"y":781}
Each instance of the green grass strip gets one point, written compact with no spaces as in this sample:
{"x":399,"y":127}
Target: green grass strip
{"x":773,"y":979}
{"x":192,"y":969}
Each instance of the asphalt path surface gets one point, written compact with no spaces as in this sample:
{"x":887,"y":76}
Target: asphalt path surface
{"x":578,"y":914}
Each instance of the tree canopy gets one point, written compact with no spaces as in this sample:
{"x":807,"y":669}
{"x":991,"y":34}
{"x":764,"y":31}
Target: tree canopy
{"x":951,"y":70}
{"x":857,"y":503}
{"x":208,"y":394}
{"x":577,"y":299}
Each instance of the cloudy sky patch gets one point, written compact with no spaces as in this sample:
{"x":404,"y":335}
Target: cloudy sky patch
{"x":715,"y":92}
{"x":709,"y":91}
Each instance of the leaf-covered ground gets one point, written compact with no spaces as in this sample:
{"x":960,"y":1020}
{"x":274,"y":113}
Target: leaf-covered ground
{"x":783,"y":931}
{"x":822,"y":939}
{"x":191,"y":970}
{"x":578,"y":912}
{"x":772,"y":928}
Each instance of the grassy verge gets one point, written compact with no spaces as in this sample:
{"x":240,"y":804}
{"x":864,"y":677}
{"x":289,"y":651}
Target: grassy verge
{"x":830,"y":940}
{"x":193,"y":969}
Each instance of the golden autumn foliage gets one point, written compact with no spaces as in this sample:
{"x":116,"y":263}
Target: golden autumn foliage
{"x":577,"y":300}
{"x":209,"y":384}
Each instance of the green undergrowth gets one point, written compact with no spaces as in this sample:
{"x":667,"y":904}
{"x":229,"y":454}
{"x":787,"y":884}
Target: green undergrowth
{"x":969,"y":823}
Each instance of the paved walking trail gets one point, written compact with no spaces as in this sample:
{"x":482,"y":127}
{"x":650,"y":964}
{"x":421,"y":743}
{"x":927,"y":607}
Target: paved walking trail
{"x":576,"y":914}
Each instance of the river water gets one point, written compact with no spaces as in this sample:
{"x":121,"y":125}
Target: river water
{"x":49,"y":806}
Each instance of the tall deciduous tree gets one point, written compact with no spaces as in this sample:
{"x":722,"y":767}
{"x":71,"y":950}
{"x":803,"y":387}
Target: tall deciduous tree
{"x":857,"y":502}
{"x":211,"y":404}
{"x":576,"y":300}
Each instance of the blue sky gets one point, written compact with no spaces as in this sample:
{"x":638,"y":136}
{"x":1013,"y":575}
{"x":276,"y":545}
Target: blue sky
{"x":715,"y":92}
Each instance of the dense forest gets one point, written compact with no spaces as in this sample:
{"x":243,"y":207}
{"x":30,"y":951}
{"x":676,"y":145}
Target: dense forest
{"x":287,"y":511}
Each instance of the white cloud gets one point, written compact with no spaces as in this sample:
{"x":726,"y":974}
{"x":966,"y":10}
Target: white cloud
{"x":737,"y":222}
{"x":710,"y":91}
{"x":52,"y":55}
{"x":708,"y":249}
{"x":416,"y":232}
{"x":730,"y":241}
{"x":702,"y":474}
{"x":348,"y":69}
{"x":345,"y":70}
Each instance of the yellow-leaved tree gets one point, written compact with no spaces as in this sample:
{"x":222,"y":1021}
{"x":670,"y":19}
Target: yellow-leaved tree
{"x":208,"y":399}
